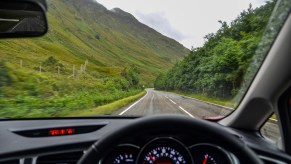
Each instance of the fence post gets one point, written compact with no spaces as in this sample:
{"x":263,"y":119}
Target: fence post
{"x":73,"y":71}
{"x":58,"y":70}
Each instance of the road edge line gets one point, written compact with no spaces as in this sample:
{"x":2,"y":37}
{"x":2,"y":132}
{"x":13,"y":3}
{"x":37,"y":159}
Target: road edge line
{"x":121,"y":113}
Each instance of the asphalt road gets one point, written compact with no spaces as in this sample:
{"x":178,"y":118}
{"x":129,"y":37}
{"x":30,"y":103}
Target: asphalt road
{"x":159,"y":102}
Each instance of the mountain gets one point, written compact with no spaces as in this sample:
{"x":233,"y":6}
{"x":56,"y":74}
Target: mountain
{"x":90,"y":57}
{"x":110,"y":40}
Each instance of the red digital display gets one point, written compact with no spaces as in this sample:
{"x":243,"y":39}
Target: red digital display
{"x":63,"y":131}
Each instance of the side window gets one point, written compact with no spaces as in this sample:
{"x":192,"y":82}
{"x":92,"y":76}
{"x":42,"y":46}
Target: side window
{"x":270,"y":129}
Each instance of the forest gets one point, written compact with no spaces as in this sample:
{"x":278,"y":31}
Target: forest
{"x":229,"y":58}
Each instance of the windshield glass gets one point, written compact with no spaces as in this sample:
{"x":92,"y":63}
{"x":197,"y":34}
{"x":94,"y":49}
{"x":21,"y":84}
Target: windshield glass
{"x":138,"y":58}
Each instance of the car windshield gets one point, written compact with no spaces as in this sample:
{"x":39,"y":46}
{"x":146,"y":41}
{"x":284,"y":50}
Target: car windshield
{"x":133,"y":57}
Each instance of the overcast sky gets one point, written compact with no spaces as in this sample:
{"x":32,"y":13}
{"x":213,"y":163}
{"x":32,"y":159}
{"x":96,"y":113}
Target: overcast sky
{"x":187,"y":21}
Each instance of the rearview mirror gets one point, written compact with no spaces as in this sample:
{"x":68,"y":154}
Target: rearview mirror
{"x":22,"y":18}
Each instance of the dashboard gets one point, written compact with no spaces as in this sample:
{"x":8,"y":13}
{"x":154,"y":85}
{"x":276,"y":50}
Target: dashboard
{"x":24,"y":141}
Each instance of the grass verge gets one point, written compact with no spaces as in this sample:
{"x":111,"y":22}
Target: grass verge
{"x":222,"y":102}
{"x":109,"y":108}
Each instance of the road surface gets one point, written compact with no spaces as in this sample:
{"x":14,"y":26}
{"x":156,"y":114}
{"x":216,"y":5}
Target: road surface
{"x":159,"y":102}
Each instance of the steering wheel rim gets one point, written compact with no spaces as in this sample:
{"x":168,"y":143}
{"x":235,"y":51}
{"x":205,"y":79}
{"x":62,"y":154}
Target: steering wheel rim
{"x":103,"y":146}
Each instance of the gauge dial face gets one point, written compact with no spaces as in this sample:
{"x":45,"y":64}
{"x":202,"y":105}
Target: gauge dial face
{"x":164,"y":155}
{"x":208,"y":159}
{"x":124,"y":158}
{"x":209,"y":154}
{"x":164,"y":151}
{"x":122,"y":154}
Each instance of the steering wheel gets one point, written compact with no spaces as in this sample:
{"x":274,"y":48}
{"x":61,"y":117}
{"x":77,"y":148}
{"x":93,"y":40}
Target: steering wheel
{"x":181,"y":123}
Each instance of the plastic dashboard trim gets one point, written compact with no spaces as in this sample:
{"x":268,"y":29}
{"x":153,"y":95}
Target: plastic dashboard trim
{"x":44,"y":146}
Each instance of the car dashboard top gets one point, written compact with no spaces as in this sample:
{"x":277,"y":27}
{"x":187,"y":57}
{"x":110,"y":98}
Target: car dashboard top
{"x":64,"y":140}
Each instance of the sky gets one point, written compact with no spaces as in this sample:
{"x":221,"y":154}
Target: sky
{"x":186,"y":21}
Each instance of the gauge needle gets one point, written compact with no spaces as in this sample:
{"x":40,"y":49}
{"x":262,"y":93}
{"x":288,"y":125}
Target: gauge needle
{"x":151,"y":157}
{"x":205,"y":159}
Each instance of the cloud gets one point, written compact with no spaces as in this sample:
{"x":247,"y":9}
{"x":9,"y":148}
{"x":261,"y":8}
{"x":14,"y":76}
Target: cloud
{"x":159,"y":22}
{"x":186,"y":21}
{"x":259,"y":2}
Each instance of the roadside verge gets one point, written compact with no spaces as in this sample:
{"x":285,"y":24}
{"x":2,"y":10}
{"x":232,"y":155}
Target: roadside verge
{"x":109,"y":108}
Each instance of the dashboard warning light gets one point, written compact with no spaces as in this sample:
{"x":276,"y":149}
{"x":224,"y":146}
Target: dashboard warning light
{"x":65,"y":131}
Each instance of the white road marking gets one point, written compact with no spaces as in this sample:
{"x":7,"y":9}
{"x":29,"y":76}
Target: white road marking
{"x":206,"y":102}
{"x":9,"y":20}
{"x":225,"y":107}
{"x":181,"y":107}
{"x":152,"y":98}
{"x":186,"y":112}
{"x":273,"y":119}
{"x":172,"y":101}
{"x":132,"y":105}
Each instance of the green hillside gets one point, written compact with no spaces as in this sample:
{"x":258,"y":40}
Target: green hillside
{"x":81,"y":30}
{"x":91,"y":56}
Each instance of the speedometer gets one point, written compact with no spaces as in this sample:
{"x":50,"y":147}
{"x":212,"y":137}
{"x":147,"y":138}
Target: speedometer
{"x":164,"y":150}
{"x":164,"y":155}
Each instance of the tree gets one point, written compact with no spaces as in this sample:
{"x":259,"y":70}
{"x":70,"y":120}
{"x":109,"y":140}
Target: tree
{"x":52,"y":64}
{"x":217,"y":68}
{"x":131,"y":74}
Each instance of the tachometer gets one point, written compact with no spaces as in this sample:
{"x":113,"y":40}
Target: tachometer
{"x":122,"y":154}
{"x":164,"y":151}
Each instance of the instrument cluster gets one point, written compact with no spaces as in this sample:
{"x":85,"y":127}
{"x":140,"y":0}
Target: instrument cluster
{"x":169,"y":151}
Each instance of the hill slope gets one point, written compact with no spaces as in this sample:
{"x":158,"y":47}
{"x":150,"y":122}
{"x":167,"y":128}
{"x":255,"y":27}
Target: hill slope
{"x":91,"y":56}
{"x":81,"y":30}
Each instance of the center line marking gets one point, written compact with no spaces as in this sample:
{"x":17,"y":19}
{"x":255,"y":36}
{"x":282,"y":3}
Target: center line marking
{"x":172,"y":101}
{"x":186,"y":112}
{"x":181,"y":107}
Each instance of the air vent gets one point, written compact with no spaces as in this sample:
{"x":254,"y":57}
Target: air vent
{"x":62,"y":158}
